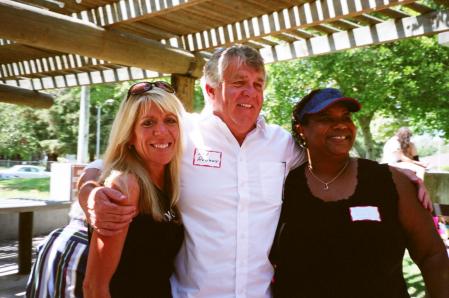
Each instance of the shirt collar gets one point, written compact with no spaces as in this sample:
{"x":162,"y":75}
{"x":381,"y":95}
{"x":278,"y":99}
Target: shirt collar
{"x":261,"y":125}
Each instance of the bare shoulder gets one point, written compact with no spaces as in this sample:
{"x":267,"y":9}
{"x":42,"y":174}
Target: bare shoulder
{"x":126,"y":183}
{"x":409,"y":205}
{"x":87,"y":175}
{"x":402,"y":180}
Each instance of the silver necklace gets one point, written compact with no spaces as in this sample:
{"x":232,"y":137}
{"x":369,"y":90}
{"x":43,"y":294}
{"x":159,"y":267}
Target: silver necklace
{"x":326,"y":184}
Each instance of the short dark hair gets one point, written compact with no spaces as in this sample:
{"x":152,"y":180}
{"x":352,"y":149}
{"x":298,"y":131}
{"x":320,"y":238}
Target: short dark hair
{"x":305,"y":119}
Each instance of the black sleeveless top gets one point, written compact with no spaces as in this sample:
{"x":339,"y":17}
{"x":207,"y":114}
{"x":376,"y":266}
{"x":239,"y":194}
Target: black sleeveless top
{"x":333,"y":249}
{"x":146,"y":263}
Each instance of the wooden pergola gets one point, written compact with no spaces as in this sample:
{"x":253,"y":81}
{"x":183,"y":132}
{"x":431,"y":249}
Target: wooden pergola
{"x":46,"y":44}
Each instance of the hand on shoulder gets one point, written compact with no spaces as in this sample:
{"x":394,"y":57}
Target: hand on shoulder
{"x":126,"y":183}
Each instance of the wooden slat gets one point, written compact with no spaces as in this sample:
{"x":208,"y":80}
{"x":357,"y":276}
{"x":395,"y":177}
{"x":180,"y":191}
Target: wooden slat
{"x":84,"y":78}
{"x":393,"y":13}
{"x":419,"y":7}
{"x":392,"y":30}
{"x":368,"y":19}
{"x":126,"y":12}
{"x":302,"y":34}
{"x":285,"y":37}
{"x":308,"y":15}
{"x":326,"y":29}
{"x":344,"y":24}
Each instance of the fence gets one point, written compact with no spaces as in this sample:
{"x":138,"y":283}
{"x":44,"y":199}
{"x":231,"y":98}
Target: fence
{"x":7,"y":163}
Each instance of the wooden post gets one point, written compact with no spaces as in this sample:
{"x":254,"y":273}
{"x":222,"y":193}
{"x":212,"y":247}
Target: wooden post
{"x":185,"y":89}
{"x":25,"y":241}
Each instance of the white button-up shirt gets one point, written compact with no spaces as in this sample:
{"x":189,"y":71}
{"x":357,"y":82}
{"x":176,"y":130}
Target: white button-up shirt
{"x":230,"y":203}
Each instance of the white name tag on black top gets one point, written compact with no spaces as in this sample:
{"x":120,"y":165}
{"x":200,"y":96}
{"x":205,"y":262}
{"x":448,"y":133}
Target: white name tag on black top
{"x":368,"y":213}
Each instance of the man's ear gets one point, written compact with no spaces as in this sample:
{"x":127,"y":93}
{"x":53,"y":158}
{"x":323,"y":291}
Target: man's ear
{"x":210,"y":91}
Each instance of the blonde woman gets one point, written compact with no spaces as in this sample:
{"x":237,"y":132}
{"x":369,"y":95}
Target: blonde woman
{"x":142,"y":161}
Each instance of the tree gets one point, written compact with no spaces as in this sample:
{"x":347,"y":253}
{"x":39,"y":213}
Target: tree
{"x":406,"y":80}
{"x":18,"y":137}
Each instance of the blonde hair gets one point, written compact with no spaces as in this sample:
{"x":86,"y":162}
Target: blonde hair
{"x":121,"y":156}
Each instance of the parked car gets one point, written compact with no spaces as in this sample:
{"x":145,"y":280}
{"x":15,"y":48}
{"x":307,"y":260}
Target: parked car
{"x":24,"y":171}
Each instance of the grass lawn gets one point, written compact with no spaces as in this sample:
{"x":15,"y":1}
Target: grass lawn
{"x":36,"y":188}
{"x":413,"y":278}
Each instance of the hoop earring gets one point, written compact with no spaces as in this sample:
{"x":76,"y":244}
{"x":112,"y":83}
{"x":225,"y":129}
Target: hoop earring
{"x":309,"y":159}
{"x":303,"y":144}
{"x":301,"y":141}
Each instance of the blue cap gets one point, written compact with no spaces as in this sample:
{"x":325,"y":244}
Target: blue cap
{"x":324,"y":98}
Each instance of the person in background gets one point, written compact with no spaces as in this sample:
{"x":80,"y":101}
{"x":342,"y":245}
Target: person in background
{"x":60,"y":265}
{"x":345,"y":221}
{"x":142,"y":161}
{"x":399,"y":151}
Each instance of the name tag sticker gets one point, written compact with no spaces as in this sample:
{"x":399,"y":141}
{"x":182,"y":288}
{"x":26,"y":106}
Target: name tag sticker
{"x":207,"y":158}
{"x":370,"y":213}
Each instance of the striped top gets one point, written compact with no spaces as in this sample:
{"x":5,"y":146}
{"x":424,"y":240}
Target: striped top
{"x":61,"y":263}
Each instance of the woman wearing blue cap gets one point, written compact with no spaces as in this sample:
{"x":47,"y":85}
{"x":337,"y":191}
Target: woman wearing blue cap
{"x":346,"y":222}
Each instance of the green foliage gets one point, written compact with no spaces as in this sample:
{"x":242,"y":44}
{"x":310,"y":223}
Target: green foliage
{"x":287,"y":83}
{"x":198,"y":98}
{"x":18,"y":135}
{"x":52,"y":146}
{"x":407,"y":81}
{"x":63,"y":118}
{"x":27,"y":133}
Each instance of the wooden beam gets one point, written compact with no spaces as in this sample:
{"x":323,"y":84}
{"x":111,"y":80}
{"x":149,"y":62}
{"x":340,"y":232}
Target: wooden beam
{"x":26,"y":97}
{"x":45,"y":29}
{"x":427,"y":24}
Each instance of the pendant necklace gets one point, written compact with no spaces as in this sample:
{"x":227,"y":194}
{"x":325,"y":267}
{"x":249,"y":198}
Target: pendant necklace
{"x":326,"y":184}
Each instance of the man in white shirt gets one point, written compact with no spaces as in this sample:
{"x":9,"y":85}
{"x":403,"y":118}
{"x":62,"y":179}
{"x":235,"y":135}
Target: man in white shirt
{"x":232,"y":177}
